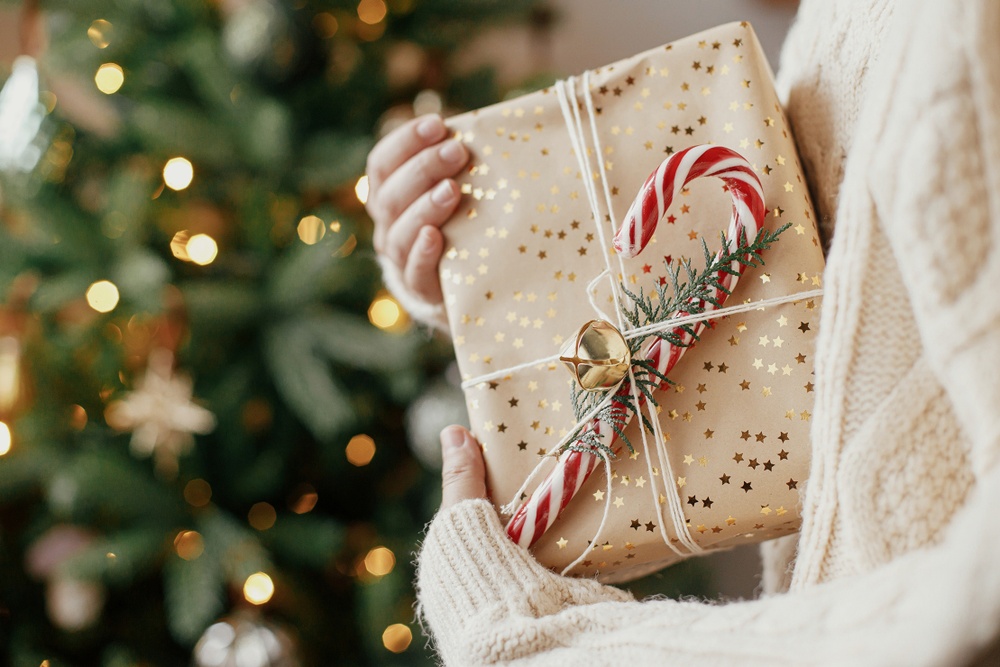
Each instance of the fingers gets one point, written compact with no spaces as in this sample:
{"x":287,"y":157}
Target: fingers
{"x":400,"y":145}
{"x":416,"y":176}
{"x":463,"y":473}
{"x":433,"y":208}
{"x":411,"y":190}
{"x":420,"y":274}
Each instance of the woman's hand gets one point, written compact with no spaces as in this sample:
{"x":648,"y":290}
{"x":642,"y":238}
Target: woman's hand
{"x":463,"y":473}
{"x":411,"y":194}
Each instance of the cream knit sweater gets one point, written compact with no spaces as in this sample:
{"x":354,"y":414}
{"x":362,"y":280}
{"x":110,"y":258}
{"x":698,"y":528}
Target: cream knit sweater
{"x":896,"y":110}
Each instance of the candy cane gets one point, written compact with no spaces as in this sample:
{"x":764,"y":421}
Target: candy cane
{"x":573,"y":468}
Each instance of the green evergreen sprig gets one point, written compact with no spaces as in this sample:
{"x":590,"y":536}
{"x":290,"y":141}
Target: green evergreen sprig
{"x":688,"y":290}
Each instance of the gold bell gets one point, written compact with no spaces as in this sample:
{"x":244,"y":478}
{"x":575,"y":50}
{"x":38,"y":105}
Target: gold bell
{"x":598,"y":357}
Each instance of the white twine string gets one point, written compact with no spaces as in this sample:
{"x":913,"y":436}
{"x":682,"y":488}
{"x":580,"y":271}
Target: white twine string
{"x":673,"y":499}
{"x":655,"y":327}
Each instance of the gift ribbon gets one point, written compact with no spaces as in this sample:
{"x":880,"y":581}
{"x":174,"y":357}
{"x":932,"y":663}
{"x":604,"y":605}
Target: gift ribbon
{"x":566,"y":91}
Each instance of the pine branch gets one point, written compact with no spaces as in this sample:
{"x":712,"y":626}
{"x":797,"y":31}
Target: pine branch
{"x":688,"y":293}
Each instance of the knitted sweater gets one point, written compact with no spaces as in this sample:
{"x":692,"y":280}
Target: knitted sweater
{"x":894,"y":106}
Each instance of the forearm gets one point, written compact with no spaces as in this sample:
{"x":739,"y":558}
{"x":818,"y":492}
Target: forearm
{"x":486,"y":601}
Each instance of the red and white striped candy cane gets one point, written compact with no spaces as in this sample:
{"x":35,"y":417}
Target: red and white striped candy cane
{"x":572,"y":469}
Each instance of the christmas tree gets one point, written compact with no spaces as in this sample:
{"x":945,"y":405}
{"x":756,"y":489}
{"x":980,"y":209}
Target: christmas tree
{"x":203,"y":387}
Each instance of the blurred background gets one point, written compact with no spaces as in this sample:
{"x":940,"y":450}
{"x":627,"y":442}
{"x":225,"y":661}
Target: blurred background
{"x":218,"y":433}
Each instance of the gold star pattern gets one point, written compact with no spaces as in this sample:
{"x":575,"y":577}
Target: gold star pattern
{"x":722,"y":100}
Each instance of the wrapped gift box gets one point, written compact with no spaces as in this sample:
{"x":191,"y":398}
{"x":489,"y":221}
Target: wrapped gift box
{"x":523,"y":248}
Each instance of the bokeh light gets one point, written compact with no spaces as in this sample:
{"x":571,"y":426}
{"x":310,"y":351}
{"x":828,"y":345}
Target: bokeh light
{"x":311,"y":229}
{"x":380,"y":561}
{"x":360,"y":450}
{"x":103,"y":296}
{"x":109,"y":78}
{"x":397,"y":637}
{"x":372,"y":11}
{"x":325,"y":24}
{"x":77,"y":417}
{"x":197,"y":493}
{"x":361,"y":189}
{"x":99,"y":33}
{"x":258,"y":588}
{"x":5,"y":439}
{"x":178,"y":173}
{"x":201,"y":249}
{"x":303,"y":499}
{"x":385,"y":312}
{"x":189,"y":544}
{"x":262,"y":516}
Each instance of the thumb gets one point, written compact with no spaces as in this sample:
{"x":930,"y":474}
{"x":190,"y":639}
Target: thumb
{"x":463,"y":473}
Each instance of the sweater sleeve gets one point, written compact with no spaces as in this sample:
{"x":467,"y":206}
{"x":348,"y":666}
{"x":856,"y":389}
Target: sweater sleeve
{"x":935,"y":179}
{"x":486,"y":601}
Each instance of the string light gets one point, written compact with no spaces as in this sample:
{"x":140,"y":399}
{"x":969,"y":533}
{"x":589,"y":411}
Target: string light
{"x":10,"y":372}
{"x":178,"y":173}
{"x":262,"y":516}
{"x":361,"y":189}
{"x":189,"y":544}
{"x":99,"y":33}
{"x":385,"y":313}
{"x":305,"y":499}
{"x":178,"y":245}
{"x":325,"y":24}
{"x":360,"y":450}
{"x":372,"y":11}
{"x":311,"y":229}
{"x":109,"y":78}
{"x":380,"y":561}
{"x":201,"y":249}
{"x":77,"y":417}
{"x":102,"y":296}
{"x":197,"y":493}
{"x":397,"y":637}
{"x":258,"y":588}
{"x":5,"y":439}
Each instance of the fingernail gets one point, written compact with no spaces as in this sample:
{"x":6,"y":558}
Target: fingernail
{"x":429,"y":128}
{"x":452,"y":151}
{"x":443,"y":194}
{"x":452,"y":438}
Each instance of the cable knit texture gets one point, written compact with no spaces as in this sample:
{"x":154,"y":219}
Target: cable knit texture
{"x":894,"y":109}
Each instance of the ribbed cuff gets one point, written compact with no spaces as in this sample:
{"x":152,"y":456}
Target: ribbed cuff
{"x":471,"y":578}
{"x":431,"y":314}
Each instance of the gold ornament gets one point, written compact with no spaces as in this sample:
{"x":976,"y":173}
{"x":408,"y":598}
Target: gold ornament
{"x":598,"y":357}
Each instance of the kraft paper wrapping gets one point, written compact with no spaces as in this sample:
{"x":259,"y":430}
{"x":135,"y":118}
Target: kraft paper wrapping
{"x":523,"y":247}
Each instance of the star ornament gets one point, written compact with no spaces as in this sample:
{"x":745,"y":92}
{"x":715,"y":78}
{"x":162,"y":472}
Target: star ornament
{"x":161,"y":414}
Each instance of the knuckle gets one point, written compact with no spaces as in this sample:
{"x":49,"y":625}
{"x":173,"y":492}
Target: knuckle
{"x":395,"y":248}
{"x":374,"y":167}
{"x":376,"y":210}
{"x":455,"y":475}
{"x":390,"y":209}
{"x":428,"y":162}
